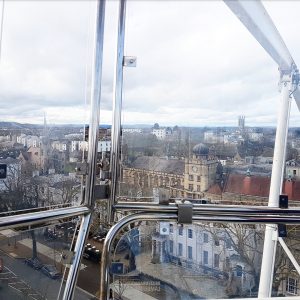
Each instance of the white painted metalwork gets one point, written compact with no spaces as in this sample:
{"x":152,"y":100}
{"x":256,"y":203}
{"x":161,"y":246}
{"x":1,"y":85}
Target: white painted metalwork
{"x":289,"y":254}
{"x":255,"y":17}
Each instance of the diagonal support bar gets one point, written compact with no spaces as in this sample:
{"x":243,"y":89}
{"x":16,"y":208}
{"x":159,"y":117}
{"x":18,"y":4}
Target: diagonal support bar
{"x":289,"y":254}
{"x":256,"y":19}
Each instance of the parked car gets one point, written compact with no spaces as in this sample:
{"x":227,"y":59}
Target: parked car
{"x":50,"y":271}
{"x":33,"y":263}
{"x":91,"y":253}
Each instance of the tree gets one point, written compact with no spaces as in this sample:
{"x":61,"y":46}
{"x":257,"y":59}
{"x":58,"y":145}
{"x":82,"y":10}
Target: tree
{"x":247,"y":243}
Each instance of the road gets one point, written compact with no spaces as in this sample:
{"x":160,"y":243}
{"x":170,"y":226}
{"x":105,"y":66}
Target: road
{"x":39,"y":282}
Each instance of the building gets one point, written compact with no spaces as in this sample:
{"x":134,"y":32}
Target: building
{"x":187,"y":178}
{"x":160,"y":133}
{"x":250,"y":189}
{"x":131,"y":130}
{"x":207,"y":249}
{"x":241,"y":123}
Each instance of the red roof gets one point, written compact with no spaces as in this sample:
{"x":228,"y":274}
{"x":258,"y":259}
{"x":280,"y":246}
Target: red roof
{"x":259,"y":186}
{"x":215,"y":189}
{"x":248,"y":185}
{"x":292,"y":189}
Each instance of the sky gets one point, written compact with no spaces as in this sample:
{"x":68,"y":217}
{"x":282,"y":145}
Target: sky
{"x":197,"y":65}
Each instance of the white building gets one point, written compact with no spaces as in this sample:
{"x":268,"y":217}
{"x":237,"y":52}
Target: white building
{"x":29,"y":140}
{"x":255,"y":136}
{"x":159,"y":133}
{"x":104,"y":146}
{"x":13,"y":173}
{"x":212,"y":137}
{"x":60,"y":146}
{"x":132,"y":130}
{"x":206,"y":249}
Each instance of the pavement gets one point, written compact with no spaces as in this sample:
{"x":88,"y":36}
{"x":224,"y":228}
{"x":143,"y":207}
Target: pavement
{"x":183,"y":279}
{"x":13,"y":250}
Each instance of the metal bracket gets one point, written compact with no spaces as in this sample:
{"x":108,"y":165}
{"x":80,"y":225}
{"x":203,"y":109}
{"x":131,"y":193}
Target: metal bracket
{"x":163,"y":196}
{"x":282,"y":231}
{"x":283,"y":201}
{"x":185,"y":213}
{"x":129,"y":61}
{"x":101,"y":191}
{"x":81,"y":168}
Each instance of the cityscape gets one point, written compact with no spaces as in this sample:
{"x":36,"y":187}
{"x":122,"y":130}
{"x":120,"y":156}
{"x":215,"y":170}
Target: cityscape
{"x":184,"y":180}
{"x":224,"y":165}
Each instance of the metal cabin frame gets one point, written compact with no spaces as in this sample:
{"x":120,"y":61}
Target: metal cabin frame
{"x":255,"y":18}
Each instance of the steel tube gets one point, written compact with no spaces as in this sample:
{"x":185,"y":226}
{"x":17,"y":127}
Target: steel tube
{"x":75,"y":266}
{"x":289,"y":254}
{"x":207,"y":209}
{"x":256,"y":19}
{"x":41,"y":216}
{"x":104,"y":277}
{"x":150,"y":216}
{"x":267,"y":266}
{"x":95,"y":103}
{"x":117,"y":110}
{"x":93,"y":145}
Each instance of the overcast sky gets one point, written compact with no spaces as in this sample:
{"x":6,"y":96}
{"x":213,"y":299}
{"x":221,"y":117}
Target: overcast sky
{"x":196,"y":63}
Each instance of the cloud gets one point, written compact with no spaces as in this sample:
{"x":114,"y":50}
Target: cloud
{"x":197,"y":65}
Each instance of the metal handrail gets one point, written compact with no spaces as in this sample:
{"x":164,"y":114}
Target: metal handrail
{"x":34,"y":218}
{"x":208,"y":209}
{"x":170,"y":215}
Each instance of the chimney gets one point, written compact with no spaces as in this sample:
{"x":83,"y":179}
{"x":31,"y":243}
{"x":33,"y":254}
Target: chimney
{"x":246,"y":185}
{"x":289,"y":188}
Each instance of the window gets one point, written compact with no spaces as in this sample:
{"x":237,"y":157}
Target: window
{"x":291,"y":285}
{"x":198,"y":178}
{"x":180,"y":230}
{"x":294,"y":172}
{"x":179,"y":249}
{"x":216,"y":260}
{"x":190,"y":233}
{"x":227,"y":262}
{"x":205,"y":257}
{"x":239,"y":271}
{"x":205,"y":237}
{"x":171,"y":228}
{"x":228,"y":243}
{"x":190,"y":252}
{"x":191,"y":187}
{"x":171,"y":246}
{"x":191,"y":177}
{"x":198,"y":188}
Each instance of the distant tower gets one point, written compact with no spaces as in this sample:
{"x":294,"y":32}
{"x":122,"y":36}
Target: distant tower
{"x":241,"y":123}
{"x":45,"y":146}
{"x":45,"y":129}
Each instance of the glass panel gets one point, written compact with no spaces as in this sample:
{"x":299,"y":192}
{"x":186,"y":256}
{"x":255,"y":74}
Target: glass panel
{"x":44,"y":61}
{"x":89,"y":276}
{"x":31,"y":264}
{"x":150,"y":262}
{"x":286,"y":278}
{"x":189,"y":130}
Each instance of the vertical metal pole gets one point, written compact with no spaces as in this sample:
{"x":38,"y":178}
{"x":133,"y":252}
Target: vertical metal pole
{"x":117,"y":109}
{"x":75,"y":266}
{"x":93,"y":144}
{"x":270,"y":242}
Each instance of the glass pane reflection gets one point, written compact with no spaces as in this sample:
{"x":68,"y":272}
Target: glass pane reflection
{"x":31,"y":265}
{"x":204,"y":260}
